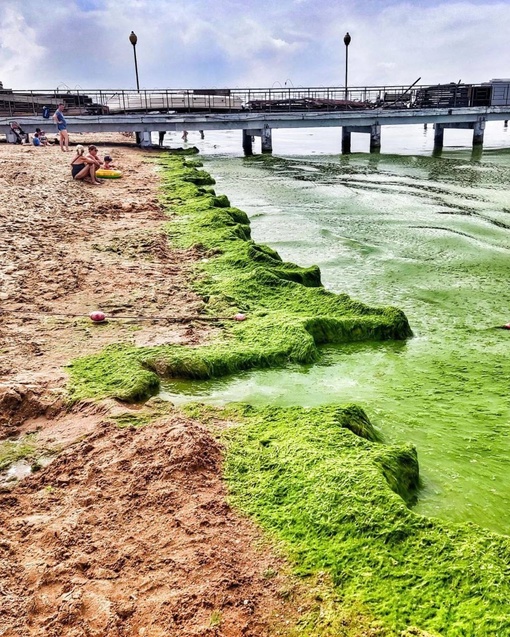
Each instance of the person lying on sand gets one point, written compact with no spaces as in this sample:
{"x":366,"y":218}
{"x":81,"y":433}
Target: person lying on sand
{"x":82,"y":167}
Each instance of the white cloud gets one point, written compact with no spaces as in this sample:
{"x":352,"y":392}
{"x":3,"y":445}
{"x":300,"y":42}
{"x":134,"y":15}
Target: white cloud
{"x":19,"y":52}
{"x":195,"y":43}
{"x":442,"y":43}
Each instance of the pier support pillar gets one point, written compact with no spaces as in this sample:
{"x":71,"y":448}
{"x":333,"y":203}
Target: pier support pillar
{"x":478,"y":131}
{"x":375,"y":138}
{"x":346,"y":140}
{"x":476,"y":153}
{"x":266,"y":140}
{"x":143,"y":138}
{"x":146,"y":139}
{"x":438,"y":136}
{"x":247,"y":144}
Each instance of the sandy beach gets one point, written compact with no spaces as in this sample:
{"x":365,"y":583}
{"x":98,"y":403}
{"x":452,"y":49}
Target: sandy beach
{"x":69,"y":248}
{"x":127,"y":531}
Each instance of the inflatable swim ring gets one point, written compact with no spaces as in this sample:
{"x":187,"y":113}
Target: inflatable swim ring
{"x":108,"y":174}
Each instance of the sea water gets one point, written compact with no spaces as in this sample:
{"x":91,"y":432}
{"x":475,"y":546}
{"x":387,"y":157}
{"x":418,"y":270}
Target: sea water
{"x":428,"y":234}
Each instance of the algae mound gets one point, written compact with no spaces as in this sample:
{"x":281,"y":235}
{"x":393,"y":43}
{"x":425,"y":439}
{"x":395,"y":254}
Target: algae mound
{"x":290,"y":313}
{"x":318,"y":480}
{"x":320,"y":483}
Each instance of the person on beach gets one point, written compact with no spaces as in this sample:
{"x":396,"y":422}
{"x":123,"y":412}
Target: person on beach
{"x":82,"y":167}
{"x":108,"y":163}
{"x":19,"y":133}
{"x":61,"y":123}
{"x":93,"y":156}
{"x":42,"y":137}
{"x":185,"y":135}
{"x":35,"y":140}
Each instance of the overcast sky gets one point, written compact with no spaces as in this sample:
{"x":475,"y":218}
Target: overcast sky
{"x":250,"y":43}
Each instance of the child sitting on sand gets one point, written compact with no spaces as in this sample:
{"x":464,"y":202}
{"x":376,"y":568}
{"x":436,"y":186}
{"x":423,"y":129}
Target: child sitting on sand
{"x":108,"y":163}
{"x":42,"y":137}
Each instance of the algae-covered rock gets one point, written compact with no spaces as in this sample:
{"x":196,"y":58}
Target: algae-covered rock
{"x":221,"y":201}
{"x":199,"y":177}
{"x":416,"y":632}
{"x":192,"y":150}
{"x":353,"y":417}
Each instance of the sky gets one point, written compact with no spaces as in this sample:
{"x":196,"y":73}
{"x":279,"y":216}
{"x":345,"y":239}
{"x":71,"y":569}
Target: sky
{"x":80,"y":44}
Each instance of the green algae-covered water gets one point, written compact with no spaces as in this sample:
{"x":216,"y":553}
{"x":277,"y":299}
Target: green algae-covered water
{"x":430,"y":235}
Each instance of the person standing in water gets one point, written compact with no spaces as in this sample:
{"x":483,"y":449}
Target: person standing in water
{"x":61,"y":123}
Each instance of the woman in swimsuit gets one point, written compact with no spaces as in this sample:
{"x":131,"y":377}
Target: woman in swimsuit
{"x":92,"y":156}
{"x":84,"y":168}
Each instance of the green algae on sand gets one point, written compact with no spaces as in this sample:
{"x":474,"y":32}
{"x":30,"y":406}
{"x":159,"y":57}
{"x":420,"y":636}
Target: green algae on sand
{"x":318,"y":481}
{"x":290,"y":314}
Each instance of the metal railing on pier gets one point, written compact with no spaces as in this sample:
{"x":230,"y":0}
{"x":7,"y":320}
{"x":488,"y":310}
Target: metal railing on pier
{"x":121,"y":101}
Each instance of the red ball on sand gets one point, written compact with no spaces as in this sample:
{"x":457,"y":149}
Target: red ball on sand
{"x":239,"y":317}
{"x":97,"y":317}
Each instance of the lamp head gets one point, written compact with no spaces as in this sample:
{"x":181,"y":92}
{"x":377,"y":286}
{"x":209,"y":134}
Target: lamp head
{"x":347,"y":39}
{"x":133,"y":39}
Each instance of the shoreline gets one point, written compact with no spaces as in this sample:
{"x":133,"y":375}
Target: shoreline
{"x":105,"y":427}
{"x":110,"y":546}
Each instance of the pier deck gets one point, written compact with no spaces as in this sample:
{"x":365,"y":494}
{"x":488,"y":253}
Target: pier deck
{"x":257,"y":120}
{"x":261,"y":122}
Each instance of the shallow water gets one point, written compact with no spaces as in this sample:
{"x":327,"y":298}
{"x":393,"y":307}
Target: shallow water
{"x":21,"y":469}
{"x":430,"y":235}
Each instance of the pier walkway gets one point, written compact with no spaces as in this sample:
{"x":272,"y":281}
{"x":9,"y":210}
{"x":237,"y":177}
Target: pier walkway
{"x":257,"y":112}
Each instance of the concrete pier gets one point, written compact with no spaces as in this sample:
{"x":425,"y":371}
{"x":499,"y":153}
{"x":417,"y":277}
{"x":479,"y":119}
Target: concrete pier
{"x":247,"y":143}
{"x":438,"y":136}
{"x":478,"y":131}
{"x":346,"y":140}
{"x":266,"y":140}
{"x":261,"y":123}
{"x":375,"y":137}
{"x":477,"y":126}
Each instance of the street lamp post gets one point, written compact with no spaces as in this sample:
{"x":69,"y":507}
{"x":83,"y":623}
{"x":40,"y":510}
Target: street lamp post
{"x":133,"y":39}
{"x":347,"y":41}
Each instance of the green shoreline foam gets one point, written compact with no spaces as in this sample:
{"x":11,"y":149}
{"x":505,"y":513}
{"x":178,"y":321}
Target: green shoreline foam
{"x":316,"y":479}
